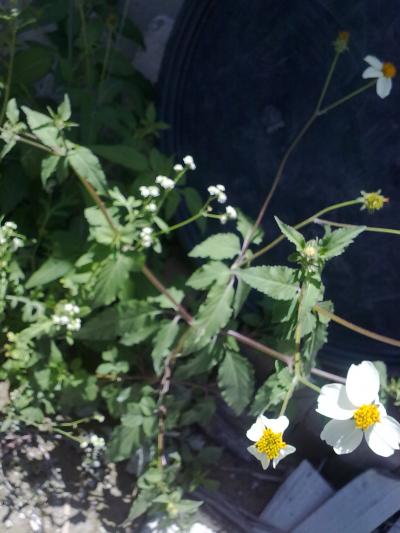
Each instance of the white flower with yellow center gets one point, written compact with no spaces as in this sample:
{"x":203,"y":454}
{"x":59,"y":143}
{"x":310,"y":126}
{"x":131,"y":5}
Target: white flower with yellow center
{"x":266,"y":433}
{"x":384,"y":72}
{"x":356,"y":411}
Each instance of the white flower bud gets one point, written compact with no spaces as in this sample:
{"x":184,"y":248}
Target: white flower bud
{"x":221,"y":198}
{"x":17,"y":243}
{"x":154,"y":191}
{"x":144,"y":191}
{"x":189,"y":162}
{"x":10,"y":225}
{"x":231,"y":212}
{"x":223,"y":219}
{"x":178,"y":167}
{"x":151,"y":207}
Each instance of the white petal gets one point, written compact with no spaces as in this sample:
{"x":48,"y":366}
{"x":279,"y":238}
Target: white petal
{"x":334,"y":403}
{"x":372,"y":72}
{"x":378,"y":437}
{"x":389,"y":428}
{"x":374,"y":62}
{"x":362,"y":384}
{"x":287,"y":450}
{"x":383,"y":87}
{"x":342,"y":435}
{"x":262,"y":457}
{"x":256,"y":430}
{"x":277,"y":425}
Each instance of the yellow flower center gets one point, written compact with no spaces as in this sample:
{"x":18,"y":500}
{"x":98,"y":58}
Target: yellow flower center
{"x":270,"y":443}
{"x":344,"y":36}
{"x":389,"y":70}
{"x":366,"y":416}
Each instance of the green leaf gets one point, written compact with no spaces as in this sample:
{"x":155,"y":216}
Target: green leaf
{"x":124,"y":441}
{"x":113,"y":276}
{"x":100,"y":229}
{"x":219,"y":246}
{"x":48,"y":167}
{"x":214,"y":272}
{"x":294,"y":236}
{"x":241,"y":294}
{"x":42,"y":126}
{"x":273,"y":391}
{"x":50,"y":270}
{"x":143,"y":501}
{"x":87,"y":166}
{"x":244,"y":226}
{"x":199,"y":363}
{"x":236,"y":380}
{"x":277,"y":282}
{"x":101,"y":327}
{"x":32,"y":64}
{"x":136,"y":321}
{"x":335,"y":242}
{"x":126,"y":156}
{"x":162,"y":346}
{"x":313,"y":343}
{"x":64,"y":109}
{"x":12,"y":112}
{"x":213,"y":315}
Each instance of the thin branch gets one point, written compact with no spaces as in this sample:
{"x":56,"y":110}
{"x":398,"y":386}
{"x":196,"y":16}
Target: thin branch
{"x":372,"y":229}
{"x":358,"y":329}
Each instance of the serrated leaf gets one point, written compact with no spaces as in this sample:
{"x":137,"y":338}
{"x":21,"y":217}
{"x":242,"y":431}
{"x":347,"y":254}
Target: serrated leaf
{"x":198,"y":363}
{"x":335,"y":243}
{"x":113,"y":275}
{"x":126,"y":156}
{"x":214,"y":272}
{"x":213,"y":315}
{"x":163,"y":342}
{"x":272,"y":392}
{"x":42,"y":126}
{"x":124,"y":441}
{"x":136,"y":321}
{"x":52,"y":269}
{"x":277,"y":282}
{"x":236,"y":380}
{"x":87,"y":166}
{"x":219,"y":246}
{"x":101,"y":327}
{"x":294,"y":236}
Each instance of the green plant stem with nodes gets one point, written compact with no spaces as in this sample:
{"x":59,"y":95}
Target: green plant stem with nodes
{"x":371,"y":229}
{"x":318,"y":111}
{"x":309,"y":384}
{"x":202,"y":213}
{"x":300,"y":225}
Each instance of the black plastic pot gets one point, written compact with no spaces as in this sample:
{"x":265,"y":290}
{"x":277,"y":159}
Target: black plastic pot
{"x":239,"y":80}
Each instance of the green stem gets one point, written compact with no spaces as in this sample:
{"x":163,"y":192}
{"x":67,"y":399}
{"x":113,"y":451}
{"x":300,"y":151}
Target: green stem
{"x":309,"y":384}
{"x":346,"y":98}
{"x":297,"y":337}
{"x":289,"y":394}
{"x":327,"y":81}
{"x":189,"y":220}
{"x":168,"y":191}
{"x":10,"y":69}
{"x":300,"y":225}
{"x":372,"y":229}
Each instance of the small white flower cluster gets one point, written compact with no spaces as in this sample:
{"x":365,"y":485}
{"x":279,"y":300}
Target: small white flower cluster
{"x":149,"y":192}
{"x":188,"y":162}
{"x":67,"y":316}
{"x":218,"y":192}
{"x":95,"y":441}
{"x":230,"y":214}
{"x":355,"y":412}
{"x":146,"y":237}
{"x":8,"y":236}
{"x":165,"y":182}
